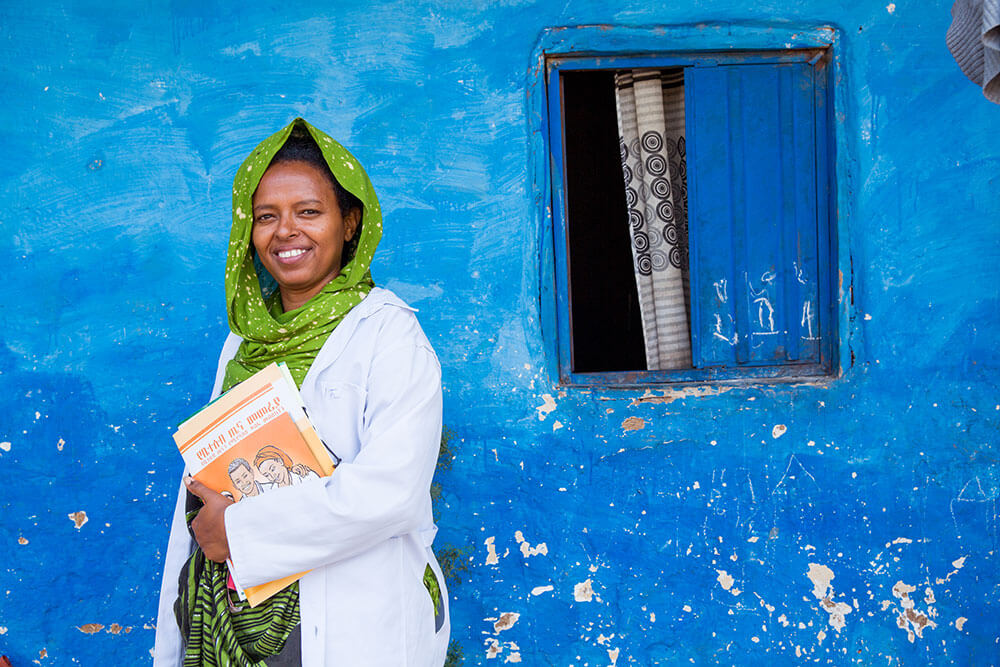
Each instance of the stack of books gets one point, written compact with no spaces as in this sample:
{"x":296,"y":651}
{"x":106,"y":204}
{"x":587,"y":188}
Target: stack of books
{"x":254,"y":438}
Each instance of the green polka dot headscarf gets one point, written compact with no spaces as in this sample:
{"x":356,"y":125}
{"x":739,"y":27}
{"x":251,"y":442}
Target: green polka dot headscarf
{"x":294,"y":337}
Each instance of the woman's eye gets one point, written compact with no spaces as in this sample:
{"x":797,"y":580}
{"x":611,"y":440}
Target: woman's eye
{"x":310,"y":211}
{"x":263,"y":217}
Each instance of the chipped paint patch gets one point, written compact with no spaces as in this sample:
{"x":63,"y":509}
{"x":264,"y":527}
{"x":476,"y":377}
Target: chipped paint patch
{"x":613,"y":656}
{"x":556,"y":425}
{"x":491,"y":551}
{"x":528,"y":550}
{"x":778,"y":430}
{"x":78,"y":518}
{"x":506,"y":621}
{"x":726,"y":581}
{"x":821,"y":577}
{"x":671,"y":395}
{"x":891,"y":8}
{"x":960,"y":623}
{"x":538,"y":590}
{"x":584,"y":591}
{"x":633,"y":424}
{"x":90,"y":628}
{"x":547,"y":406}
{"x":5,"y":446}
{"x":909,"y":618}
{"x":3,"y":629}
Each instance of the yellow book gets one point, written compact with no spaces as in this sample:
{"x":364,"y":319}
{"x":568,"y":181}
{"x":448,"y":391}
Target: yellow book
{"x":254,"y":438}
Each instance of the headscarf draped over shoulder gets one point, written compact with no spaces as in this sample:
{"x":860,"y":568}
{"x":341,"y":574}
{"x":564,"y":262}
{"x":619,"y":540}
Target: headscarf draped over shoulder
{"x":294,"y":337}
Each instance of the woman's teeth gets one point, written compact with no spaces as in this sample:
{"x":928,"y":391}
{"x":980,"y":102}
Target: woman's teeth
{"x":287,"y":254}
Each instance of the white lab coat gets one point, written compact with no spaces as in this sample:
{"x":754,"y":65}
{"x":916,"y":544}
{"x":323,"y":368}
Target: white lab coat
{"x":374,"y":395}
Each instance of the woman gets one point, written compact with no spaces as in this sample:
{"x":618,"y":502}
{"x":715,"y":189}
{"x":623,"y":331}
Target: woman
{"x":278,"y":469}
{"x":305,"y":226}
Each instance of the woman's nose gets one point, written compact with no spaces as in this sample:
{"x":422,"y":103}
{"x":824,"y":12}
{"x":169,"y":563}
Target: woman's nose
{"x":286,"y":225}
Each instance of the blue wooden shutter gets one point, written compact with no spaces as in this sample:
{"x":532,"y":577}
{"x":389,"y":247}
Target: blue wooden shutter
{"x":756,"y":205}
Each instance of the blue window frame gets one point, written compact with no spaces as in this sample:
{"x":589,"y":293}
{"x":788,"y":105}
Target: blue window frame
{"x":762,"y":238}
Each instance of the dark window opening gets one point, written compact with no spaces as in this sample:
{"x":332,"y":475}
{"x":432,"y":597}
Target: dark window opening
{"x":606,"y":321}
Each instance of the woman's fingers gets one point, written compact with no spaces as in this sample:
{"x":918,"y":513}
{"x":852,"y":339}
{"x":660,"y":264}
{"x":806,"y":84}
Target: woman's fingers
{"x":209,"y":526}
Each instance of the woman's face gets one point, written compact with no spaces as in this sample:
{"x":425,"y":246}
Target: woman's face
{"x":298,"y":231}
{"x":274,"y":471}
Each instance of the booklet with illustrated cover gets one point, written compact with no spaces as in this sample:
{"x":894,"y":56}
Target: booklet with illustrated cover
{"x":254,"y":438}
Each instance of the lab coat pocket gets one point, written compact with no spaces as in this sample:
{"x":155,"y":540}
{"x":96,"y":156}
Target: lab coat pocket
{"x":339,"y":420}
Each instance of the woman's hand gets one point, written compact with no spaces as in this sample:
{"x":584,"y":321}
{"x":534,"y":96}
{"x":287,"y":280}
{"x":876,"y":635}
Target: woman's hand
{"x":209,"y":526}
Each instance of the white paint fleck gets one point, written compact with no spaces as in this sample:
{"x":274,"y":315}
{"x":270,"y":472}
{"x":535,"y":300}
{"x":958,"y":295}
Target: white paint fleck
{"x":778,"y":430}
{"x":513,"y":657}
{"x":652,"y":617}
{"x":491,"y":551}
{"x":538,"y":590}
{"x":584,"y":591}
{"x":547,"y":406}
{"x":958,"y":564}
{"x":5,"y":446}
{"x":3,"y":629}
{"x":60,"y":444}
{"x":820,"y":636}
{"x":687,"y":608}
{"x":959,"y":623}
{"x":902,"y":540}
{"x":724,"y":579}
{"x":891,"y":8}
{"x":556,"y":425}
{"x":613,"y":656}
{"x":78,"y":518}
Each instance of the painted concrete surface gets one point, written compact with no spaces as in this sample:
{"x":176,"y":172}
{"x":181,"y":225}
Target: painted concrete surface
{"x":853,"y":521}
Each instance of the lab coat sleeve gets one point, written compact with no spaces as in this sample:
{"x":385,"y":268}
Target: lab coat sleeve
{"x":382,"y":493}
{"x":167,"y":649}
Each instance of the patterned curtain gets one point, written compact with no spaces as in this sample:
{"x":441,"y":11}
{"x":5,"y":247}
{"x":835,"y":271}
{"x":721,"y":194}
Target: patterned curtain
{"x":651,"y":130}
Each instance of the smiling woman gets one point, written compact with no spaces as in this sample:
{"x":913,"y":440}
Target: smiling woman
{"x":300,"y":226}
{"x":299,"y":291}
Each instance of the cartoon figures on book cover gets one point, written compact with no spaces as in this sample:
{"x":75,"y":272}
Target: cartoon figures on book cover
{"x":271,"y":469}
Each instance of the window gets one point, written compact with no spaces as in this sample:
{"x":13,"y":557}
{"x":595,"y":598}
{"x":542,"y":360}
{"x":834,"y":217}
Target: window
{"x":724,"y":188}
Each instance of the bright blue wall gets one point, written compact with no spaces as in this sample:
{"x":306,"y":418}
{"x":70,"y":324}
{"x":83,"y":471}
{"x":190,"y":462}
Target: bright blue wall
{"x":120,"y":132}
